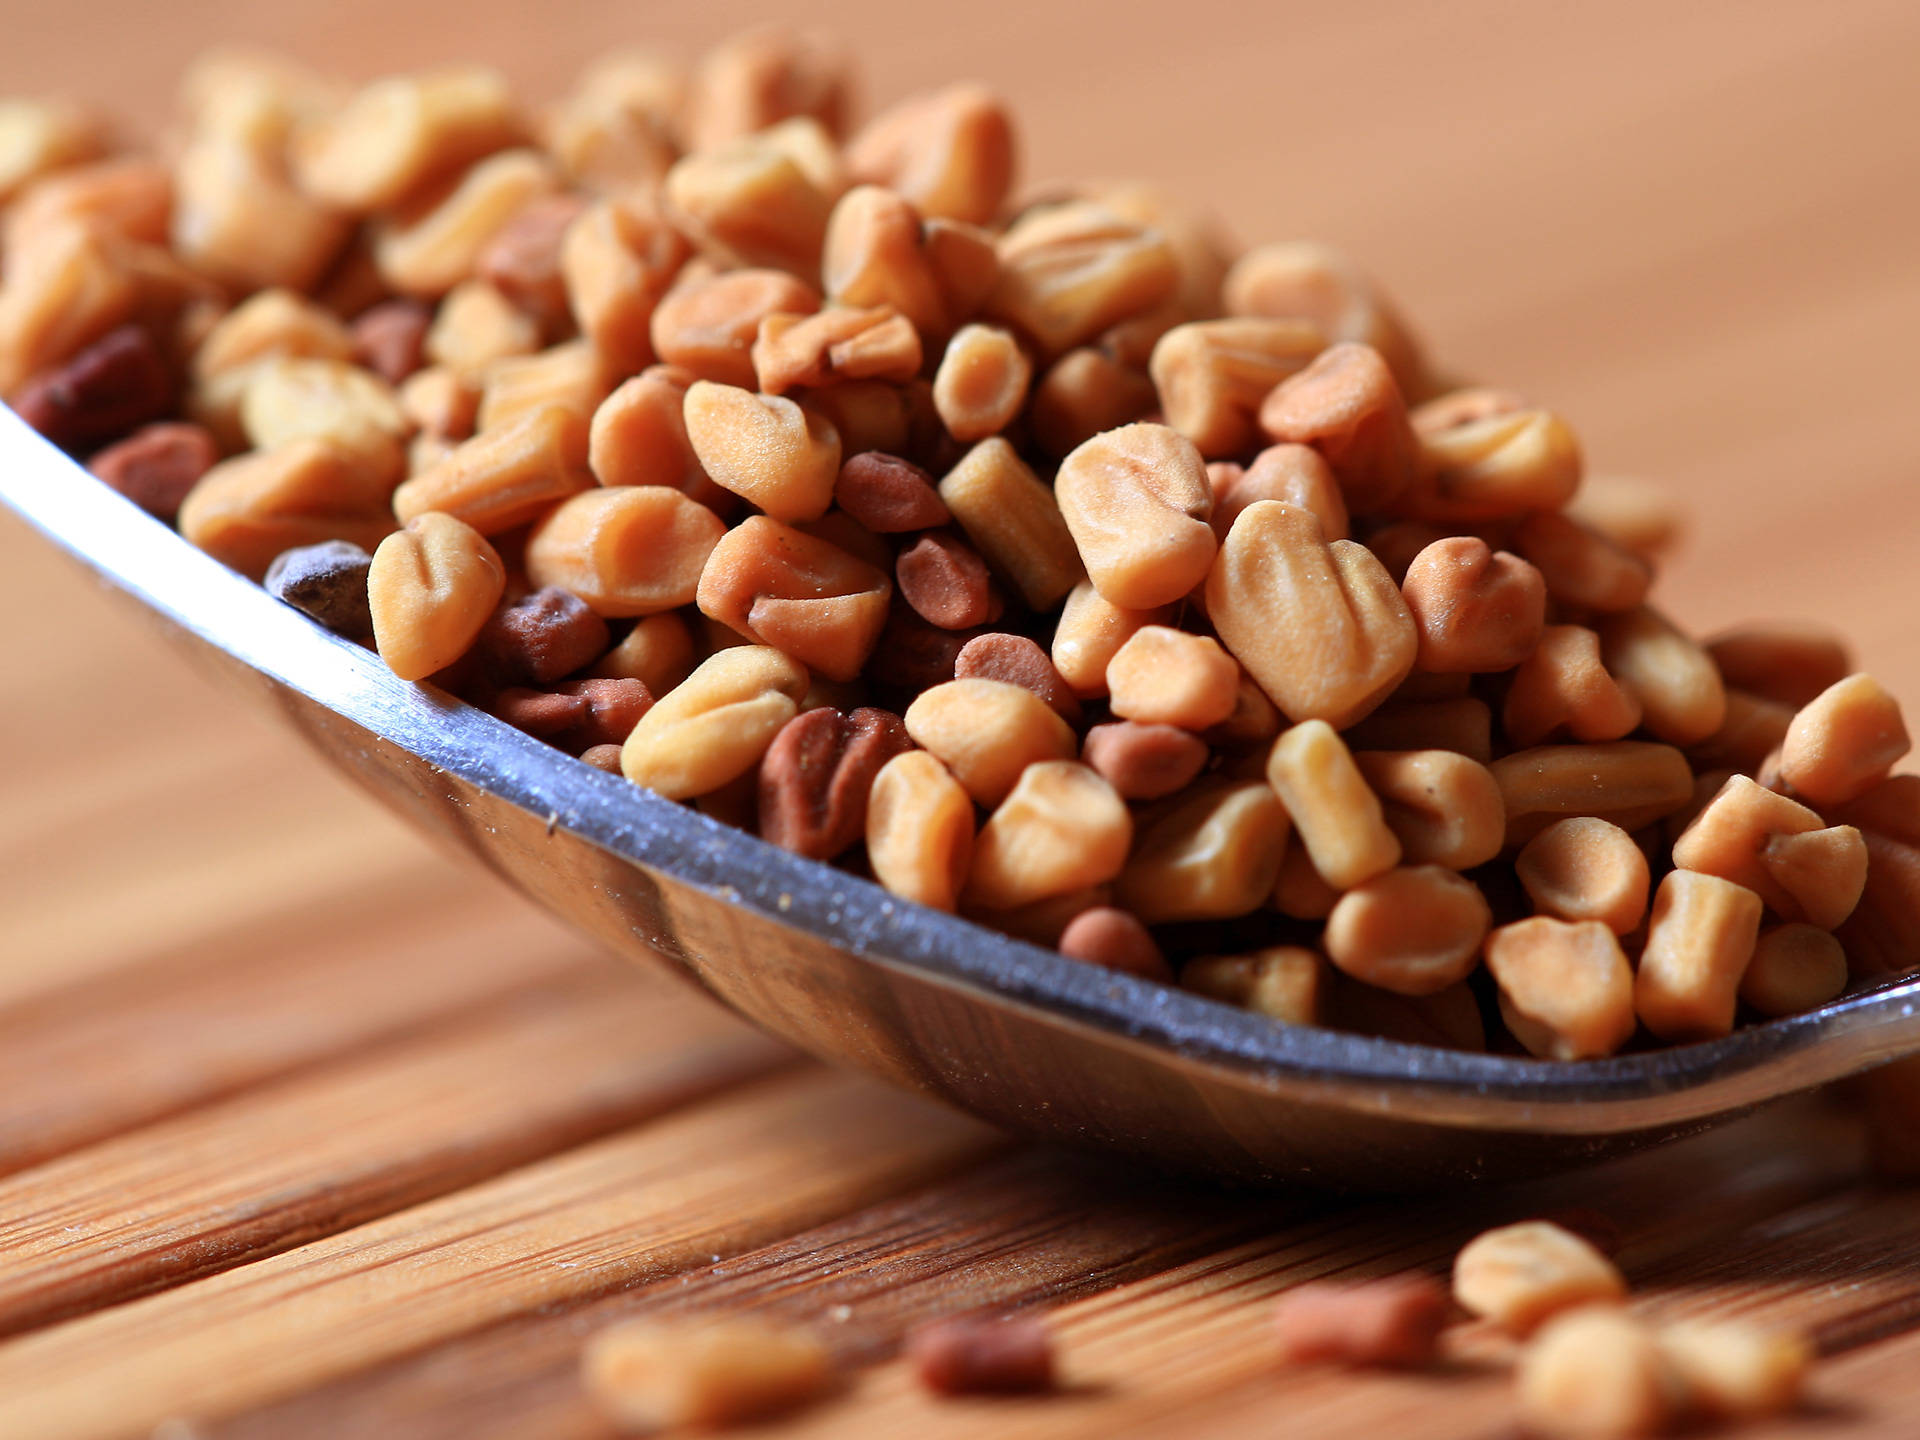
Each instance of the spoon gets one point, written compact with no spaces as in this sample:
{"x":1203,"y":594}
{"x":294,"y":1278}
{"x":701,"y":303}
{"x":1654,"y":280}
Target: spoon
{"x":836,"y":965}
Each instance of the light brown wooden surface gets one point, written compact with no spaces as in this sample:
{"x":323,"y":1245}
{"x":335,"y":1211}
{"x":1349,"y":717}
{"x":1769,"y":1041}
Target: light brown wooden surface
{"x":307,"y":1131}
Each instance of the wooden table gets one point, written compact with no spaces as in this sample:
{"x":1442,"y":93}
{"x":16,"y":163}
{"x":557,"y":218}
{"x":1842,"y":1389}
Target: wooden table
{"x":308,"y":1131}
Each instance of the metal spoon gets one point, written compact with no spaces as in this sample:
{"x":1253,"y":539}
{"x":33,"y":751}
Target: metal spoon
{"x":834,"y":964}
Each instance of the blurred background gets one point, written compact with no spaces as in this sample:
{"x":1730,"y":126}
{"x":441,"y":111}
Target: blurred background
{"x":1689,"y":228}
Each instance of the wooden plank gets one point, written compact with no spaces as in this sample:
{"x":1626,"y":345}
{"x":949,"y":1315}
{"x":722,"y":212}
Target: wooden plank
{"x":282,"y":991}
{"x":716,"y":1179}
{"x":1181,"y":1264}
{"x":536,"y":1072}
{"x":1034,"y":1226}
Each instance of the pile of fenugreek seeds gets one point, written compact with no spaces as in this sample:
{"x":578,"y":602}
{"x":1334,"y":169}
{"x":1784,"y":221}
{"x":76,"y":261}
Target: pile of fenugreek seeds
{"x":1046,"y":558}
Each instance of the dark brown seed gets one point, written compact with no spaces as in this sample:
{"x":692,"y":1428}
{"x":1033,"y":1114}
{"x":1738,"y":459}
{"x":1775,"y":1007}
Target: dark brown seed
{"x":522,"y":260}
{"x":540,"y":713}
{"x":1016,"y":660}
{"x":329,"y":582}
{"x":978,"y":1356}
{"x":390,"y":339}
{"x":614,"y":707}
{"x":816,"y":776}
{"x":542,"y":638}
{"x":889,"y":495}
{"x":1392,"y":1323}
{"x":946,"y":582}
{"x":156,"y":466}
{"x":912,"y":655}
{"x":1114,"y":940}
{"x":115,"y":385}
{"x":1144,"y":762}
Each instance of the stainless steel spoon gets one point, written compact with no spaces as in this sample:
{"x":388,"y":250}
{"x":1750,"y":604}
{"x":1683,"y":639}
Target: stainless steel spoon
{"x":840,"y":968}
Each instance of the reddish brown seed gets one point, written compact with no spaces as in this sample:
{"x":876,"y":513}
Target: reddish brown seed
{"x":522,"y":260}
{"x":1018,"y":661}
{"x":541,"y":713}
{"x":816,"y":776}
{"x":1144,"y":762}
{"x":614,"y":707}
{"x":542,"y":638}
{"x":1114,"y":940}
{"x":946,"y":582}
{"x":1392,"y":1323}
{"x":911,"y":654}
{"x":975,"y":1356}
{"x":156,"y":466}
{"x":390,"y":339}
{"x":603,"y":757}
{"x":115,"y":385}
{"x":888,"y":495}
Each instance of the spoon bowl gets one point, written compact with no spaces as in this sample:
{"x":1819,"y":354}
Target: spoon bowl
{"x":834,"y":964}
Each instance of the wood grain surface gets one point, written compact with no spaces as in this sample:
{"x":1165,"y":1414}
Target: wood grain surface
{"x":307,"y":1131}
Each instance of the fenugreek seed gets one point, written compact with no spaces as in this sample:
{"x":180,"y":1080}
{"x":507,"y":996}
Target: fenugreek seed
{"x":1795,"y":968}
{"x":1294,"y":474}
{"x":1301,"y":280}
{"x":1090,"y":633}
{"x":1283,"y":982}
{"x":246,"y":510}
{"x":1338,"y":816}
{"x":633,"y":550}
{"x":981,"y":383}
{"x":1505,"y":466}
{"x":431,"y":588}
{"x":1347,"y":405}
{"x":920,"y":830}
{"x":504,"y":478}
{"x":1582,"y":567}
{"x":1212,"y":376}
{"x":806,"y":596}
{"x":1478,"y":611}
{"x":1209,"y":854}
{"x":435,"y":243}
{"x":707,"y":325}
{"x":987,"y":732}
{"x":1391,"y":1323}
{"x":399,"y":133}
{"x":1700,"y":940}
{"x":1785,"y":853}
{"x":716,"y":724}
{"x":1843,"y":741}
{"x":1583,"y":868}
{"x":1630,"y":782}
{"x":1597,"y":1372}
{"x":647,"y":1377}
{"x":1163,"y":676}
{"x":1444,"y":808}
{"x":1014,"y":521}
{"x":1414,"y":930}
{"x":1520,"y":1276}
{"x":764,"y":448}
{"x":1567,"y":985}
{"x":1679,"y":689}
{"x":1320,"y":626}
{"x":616,"y":263}
{"x":1061,"y":829}
{"x":1782,"y":661}
{"x":1069,"y":271}
{"x":1564,"y":687}
{"x":950,"y":153}
{"x":1114,"y":940}
{"x":1136,"y":502}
